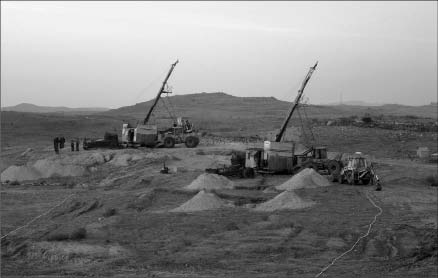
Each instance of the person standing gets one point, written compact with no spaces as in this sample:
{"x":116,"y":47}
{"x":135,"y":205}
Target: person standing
{"x":56,"y":145}
{"x":61,"y":142}
{"x":72,"y":144}
{"x":77,"y":144}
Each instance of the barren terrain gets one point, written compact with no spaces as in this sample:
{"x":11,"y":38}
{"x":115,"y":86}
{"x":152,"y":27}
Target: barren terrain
{"x":111,"y":213}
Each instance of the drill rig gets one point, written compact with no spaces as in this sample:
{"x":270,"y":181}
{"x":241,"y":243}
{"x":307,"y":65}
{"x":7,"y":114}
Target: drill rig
{"x":151,"y":135}
{"x":280,"y":157}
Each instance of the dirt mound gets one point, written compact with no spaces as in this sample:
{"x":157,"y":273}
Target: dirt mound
{"x":285,"y":200}
{"x":202,"y":201}
{"x":49,"y":168}
{"x":270,"y":190}
{"x":307,"y":178}
{"x":209,"y":182}
{"x":70,"y":165}
{"x":67,"y":252}
{"x":123,"y":159}
{"x":19,"y":173}
{"x":84,"y":159}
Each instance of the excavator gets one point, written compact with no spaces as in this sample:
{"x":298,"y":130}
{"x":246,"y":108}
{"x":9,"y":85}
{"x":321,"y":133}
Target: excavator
{"x":151,"y":135}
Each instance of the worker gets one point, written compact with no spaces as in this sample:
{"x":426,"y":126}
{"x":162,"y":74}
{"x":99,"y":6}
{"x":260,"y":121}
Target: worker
{"x":72,"y":144}
{"x":188,"y":125}
{"x":61,"y":142}
{"x":56,"y":144}
{"x":378,"y":186}
{"x":77,"y":144}
{"x":131,"y":135}
{"x":377,"y":182}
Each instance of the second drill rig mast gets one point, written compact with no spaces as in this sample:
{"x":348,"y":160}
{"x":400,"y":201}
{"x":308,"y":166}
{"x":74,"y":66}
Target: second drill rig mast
{"x":295,"y":105}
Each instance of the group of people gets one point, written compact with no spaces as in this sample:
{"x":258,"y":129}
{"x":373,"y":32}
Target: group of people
{"x":73,"y":143}
{"x":59,"y":143}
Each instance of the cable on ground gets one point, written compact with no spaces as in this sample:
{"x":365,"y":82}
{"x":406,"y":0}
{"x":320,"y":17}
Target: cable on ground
{"x":41,"y":215}
{"x":359,"y":239}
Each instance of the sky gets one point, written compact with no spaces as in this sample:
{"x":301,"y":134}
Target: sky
{"x":113,"y":54}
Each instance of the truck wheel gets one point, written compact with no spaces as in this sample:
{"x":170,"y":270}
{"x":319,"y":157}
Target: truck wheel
{"x":333,"y":178}
{"x":312,"y":165}
{"x":350,"y":179}
{"x":192,"y":141}
{"x":169,"y":142}
{"x":248,"y":173}
{"x":365,"y":181}
{"x":341,"y":179}
{"x":334,"y":167}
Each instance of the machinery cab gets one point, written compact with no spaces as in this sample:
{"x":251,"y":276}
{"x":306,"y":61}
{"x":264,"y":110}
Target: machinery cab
{"x":357,"y":162}
{"x":185,"y":125}
{"x":319,"y":153}
{"x":180,"y":127}
{"x":358,"y":170}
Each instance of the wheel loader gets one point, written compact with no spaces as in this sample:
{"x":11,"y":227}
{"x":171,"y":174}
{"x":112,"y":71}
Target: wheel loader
{"x":358,"y":170}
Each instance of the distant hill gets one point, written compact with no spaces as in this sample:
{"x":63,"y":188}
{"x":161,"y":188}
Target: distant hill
{"x":217,"y":113}
{"x":32,"y":108}
{"x":221,"y":111}
{"x":356,"y":103}
{"x":222,"y":105}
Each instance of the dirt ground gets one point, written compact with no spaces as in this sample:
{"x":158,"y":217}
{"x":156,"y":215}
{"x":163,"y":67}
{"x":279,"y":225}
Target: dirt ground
{"x":116,"y":221}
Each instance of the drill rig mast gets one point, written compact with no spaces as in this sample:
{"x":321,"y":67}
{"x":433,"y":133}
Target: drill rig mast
{"x":161,"y":91}
{"x":295,"y":104}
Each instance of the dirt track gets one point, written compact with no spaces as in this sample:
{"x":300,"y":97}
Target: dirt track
{"x":143,"y":238}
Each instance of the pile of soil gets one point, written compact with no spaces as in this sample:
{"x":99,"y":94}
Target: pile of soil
{"x":63,"y":252}
{"x":71,"y":165}
{"x":124,"y":159}
{"x":19,"y":173}
{"x":202,"y":201}
{"x":307,"y":178}
{"x":285,"y":200}
{"x":209,"y":182}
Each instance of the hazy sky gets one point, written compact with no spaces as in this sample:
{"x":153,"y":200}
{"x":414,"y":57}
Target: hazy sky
{"x":113,"y":54}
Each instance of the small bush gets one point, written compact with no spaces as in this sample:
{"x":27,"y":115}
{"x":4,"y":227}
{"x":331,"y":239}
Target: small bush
{"x":265,"y":217}
{"x":79,"y":233}
{"x":109,"y":212}
{"x":187,"y":242}
{"x":68,"y":184}
{"x":432,"y":180}
{"x":231,"y":226}
{"x":367,"y":120}
{"x":58,"y":237}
